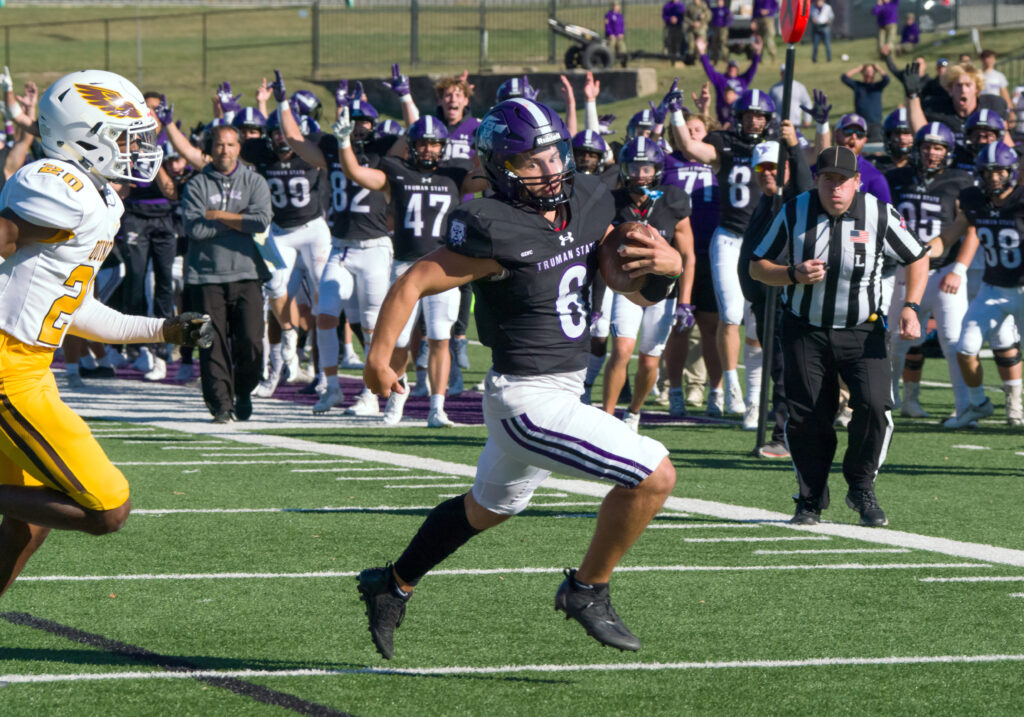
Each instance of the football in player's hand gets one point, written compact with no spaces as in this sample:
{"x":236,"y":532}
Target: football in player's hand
{"x":610,"y":262}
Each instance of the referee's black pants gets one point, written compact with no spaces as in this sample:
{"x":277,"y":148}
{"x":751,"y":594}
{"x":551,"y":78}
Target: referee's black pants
{"x":233,"y":364}
{"x":814,"y":359}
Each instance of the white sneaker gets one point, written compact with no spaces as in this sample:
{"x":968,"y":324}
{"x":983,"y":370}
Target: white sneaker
{"x":437,"y":418}
{"x":734,"y":401}
{"x":911,"y":405}
{"x":328,"y":400}
{"x":184,"y":373}
{"x":632,"y":421}
{"x":116,"y":358}
{"x":481,"y":387}
{"x":158,"y":372}
{"x":751,"y":416}
{"x":676,"y":402}
{"x":295,"y":373}
{"x":352,"y":362}
{"x":74,"y":380}
{"x":395,"y":406}
{"x":716,"y":404}
{"x":844,"y":418}
{"x":455,"y":385}
{"x":971,"y":414}
{"x":366,"y":405}
{"x":267,"y":386}
{"x":145,"y":362}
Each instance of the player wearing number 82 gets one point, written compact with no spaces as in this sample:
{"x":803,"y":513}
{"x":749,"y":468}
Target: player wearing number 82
{"x":58,"y":218}
{"x":531,"y":252}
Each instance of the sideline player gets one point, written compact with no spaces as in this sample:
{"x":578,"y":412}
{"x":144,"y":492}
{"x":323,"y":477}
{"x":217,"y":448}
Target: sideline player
{"x":57,"y":225}
{"x":530,"y":249}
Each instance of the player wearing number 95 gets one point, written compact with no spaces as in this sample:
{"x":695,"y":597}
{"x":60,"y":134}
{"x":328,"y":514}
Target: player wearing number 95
{"x":530,"y":251}
{"x":57,"y":224}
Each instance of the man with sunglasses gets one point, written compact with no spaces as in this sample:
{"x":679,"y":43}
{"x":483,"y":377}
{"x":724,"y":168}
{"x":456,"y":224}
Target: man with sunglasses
{"x":852,"y":133}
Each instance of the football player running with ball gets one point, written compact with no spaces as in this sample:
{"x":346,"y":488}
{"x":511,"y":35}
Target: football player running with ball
{"x":57,"y":224}
{"x":531,"y":251}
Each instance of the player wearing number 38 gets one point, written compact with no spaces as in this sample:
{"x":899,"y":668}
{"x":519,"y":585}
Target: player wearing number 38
{"x":58,"y":217}
{"x":531,"y":252}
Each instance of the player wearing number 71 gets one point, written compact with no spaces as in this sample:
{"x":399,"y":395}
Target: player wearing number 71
{"x":530,"y":250}
{"x":58,"y":218}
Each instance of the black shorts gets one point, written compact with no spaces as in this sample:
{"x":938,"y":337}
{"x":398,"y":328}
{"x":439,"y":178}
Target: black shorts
{"x":703,"y":293}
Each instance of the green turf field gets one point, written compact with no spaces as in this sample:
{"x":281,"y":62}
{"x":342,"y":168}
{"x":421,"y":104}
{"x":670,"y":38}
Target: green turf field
{"x":231,"y":589}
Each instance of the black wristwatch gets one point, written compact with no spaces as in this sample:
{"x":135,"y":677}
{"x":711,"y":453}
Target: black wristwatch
{"x":911,"y":305}
{"x":791,"y":271}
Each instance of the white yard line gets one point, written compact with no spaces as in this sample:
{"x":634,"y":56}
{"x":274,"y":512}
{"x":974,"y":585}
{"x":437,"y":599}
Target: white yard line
{"x":504,"y":571}
{"x":345,"y":470}
{"x":831,"y":551}
{"x":150,"y":404}
{"x":514,"y":669}
{"x":683,"y":526}
{"x":977,"y":579}
{"x":776,"y":539}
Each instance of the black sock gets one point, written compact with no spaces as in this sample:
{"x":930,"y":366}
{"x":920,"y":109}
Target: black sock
{"x":444,"y":531}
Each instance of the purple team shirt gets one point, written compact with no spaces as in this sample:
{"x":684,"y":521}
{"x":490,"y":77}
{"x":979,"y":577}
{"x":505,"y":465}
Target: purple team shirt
{"x":721,"y":16}
{"x":911,"y":34}
{"x":671,"y":10}
{"x":760,"y":6}
{"x":739,"y":83}
{"x":699,"y":181}
{"x":614,"y":24}
{"x":888,"y":13}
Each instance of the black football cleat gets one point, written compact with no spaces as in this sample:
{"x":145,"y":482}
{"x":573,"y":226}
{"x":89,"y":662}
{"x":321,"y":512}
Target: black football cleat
{"x":864,"y":502}
{"x":593,"y":609}
{"x":384,"y":608}
{"x":807,"y":512}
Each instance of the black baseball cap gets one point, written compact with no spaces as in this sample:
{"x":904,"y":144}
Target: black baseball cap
{"x":840,"y":160}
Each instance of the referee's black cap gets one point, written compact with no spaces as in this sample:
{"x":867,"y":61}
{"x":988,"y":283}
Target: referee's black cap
{"x":838,"y":159}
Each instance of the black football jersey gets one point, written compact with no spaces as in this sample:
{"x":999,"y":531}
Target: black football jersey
{"x":737,"y":187}
{"x":421,"y":202}
{"x":928,"y":205}
{"x":296,"y":192}
{"x":999,"y":234}
{"x":354,"y":212}
{"x":662,"y":213}
{"x":534,"y":316}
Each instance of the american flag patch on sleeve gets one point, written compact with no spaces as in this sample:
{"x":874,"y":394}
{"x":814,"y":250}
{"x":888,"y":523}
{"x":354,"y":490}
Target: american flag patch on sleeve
{"x":859,"y":236}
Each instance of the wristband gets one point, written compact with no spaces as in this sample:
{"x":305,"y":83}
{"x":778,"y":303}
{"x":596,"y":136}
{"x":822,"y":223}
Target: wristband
{"x":822,"y":127}
{"x":406,"y":98}
{"x":960,"y":269}
{"x":678,"y":120}
{"x":283,"y":105}
{"x":345,"y":143}
{"x":791,"y":272}
{"x":912,"y":305}
{"x":14,"y":110}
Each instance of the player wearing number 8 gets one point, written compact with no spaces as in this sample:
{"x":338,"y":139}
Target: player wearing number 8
{"x":58,"y":218}
{"x":926,"y":193}
{"x":530,"y":250}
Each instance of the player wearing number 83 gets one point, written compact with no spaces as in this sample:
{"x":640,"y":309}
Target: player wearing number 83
{"x":531,"y":252}
{"x":58,"y":218}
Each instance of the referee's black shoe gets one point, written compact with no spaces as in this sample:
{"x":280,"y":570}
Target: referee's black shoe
{"x":591,"y":607}
{"x":863,"y":501}
{"x":807,"y":512}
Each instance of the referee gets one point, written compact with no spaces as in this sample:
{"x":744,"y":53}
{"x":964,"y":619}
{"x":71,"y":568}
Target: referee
{"x":827,"y":246}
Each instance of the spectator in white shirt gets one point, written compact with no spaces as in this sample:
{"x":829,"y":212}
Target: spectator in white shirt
{"x":800,"y":98}
{"x":821,"y":28}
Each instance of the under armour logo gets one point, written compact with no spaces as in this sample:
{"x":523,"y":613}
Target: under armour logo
{"x":566,"y":238}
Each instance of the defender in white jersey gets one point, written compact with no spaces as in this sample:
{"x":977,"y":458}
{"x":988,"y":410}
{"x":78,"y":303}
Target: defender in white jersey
{"x":58,"y":217}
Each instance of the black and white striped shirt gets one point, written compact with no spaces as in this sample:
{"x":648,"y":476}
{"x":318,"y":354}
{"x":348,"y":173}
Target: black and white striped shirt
{"x":854,"y":247}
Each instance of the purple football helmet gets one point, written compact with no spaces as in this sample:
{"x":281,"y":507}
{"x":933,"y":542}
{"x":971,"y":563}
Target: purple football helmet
{"x":388,"y":128}
{"x":642,"y":120}
{"x":426,"y":128}
{"x":934,"y":133}
{"x":753,"y":101}
{"x":996,"y":155}
{"x":275,"y":134}
{"x":897,"y":123}
{"x":305,"y":104}
{"x":248,"y":118}
{"x":516,"y":87}
{"x":519,"y":126}
{"x":983,"y":119}
{"x":359,"y":110}
{"x":585,"y":145}
{"x":638,"y":153}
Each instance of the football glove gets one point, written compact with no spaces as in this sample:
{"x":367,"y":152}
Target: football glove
{"x":684,"y":317}
{"x":227,"y":102}
{"x":399,"y":83}
{"x":164,"y":112}
{"x":277,"y":86}
{"x":913,"y":83}
{"x":189,"y":329}
{"x":343,"y":128}
{"x":604,"y":124}
{"x":818,"y":110}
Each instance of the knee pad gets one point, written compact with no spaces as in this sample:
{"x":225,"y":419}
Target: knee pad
{"x":914,"y":362}
{"x":1009,"y":361}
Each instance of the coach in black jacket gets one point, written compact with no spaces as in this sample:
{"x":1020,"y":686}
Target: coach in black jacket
{"x":827,"y":247}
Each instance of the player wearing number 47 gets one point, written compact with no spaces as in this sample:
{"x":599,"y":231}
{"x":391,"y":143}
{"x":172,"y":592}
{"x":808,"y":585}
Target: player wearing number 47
{"x":530,"y":250}
{"x":57,"y":224}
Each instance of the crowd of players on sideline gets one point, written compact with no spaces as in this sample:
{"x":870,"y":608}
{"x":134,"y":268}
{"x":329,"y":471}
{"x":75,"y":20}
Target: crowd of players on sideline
{"x":349,"y":217}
